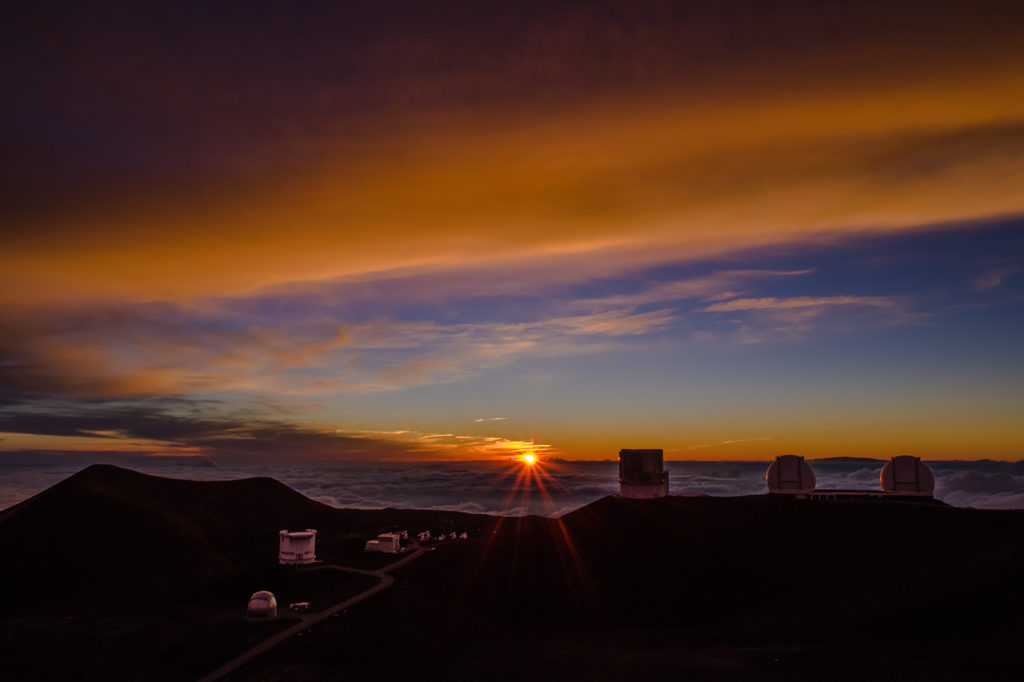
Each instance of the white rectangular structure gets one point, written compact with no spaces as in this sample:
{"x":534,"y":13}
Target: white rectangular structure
{"x":297,"y":548}
{"x":387,"y":542}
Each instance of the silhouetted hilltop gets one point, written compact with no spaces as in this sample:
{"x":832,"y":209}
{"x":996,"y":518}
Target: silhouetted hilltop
{"x":250,"y":501}
{"x":107,"y":530}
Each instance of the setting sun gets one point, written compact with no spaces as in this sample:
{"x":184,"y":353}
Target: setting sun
{"x":529,"y":459}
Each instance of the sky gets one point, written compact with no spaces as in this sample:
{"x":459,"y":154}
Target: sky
{"x":265,"y":234}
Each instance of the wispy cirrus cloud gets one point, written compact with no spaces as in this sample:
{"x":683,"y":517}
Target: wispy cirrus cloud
{"x":175,"y":349}
{"x":797,"y":302}
{"x":993,"y":278}
{"x":397,"y":331}
{"x":721,"y":442}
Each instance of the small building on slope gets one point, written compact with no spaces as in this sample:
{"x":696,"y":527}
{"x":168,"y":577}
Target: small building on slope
{"x":390,"y":543}
{"x":297,"y":548}
{"x":262,"y":606}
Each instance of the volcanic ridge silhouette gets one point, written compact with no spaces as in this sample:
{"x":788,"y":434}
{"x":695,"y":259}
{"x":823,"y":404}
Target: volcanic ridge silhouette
{"x":716,"y":588}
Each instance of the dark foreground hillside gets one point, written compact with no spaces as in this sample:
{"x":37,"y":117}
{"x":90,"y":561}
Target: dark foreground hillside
{"x":109,"y":533}
{"x":116,"y":575}
{"x":677,"y":588}
{"x":698,"y":589}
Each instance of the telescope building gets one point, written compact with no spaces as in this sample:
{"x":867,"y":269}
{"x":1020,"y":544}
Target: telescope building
{"x":642,"y":474}
{"x":297,"y":548}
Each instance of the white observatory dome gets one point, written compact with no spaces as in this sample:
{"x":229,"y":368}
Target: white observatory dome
{"x":262,"y":606}
{"x":909,"y":475}
{"x":790,"y":474}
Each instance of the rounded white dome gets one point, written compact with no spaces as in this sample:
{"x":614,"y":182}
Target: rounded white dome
{"x":790,"y":474}
{"x":907,"y":474}
{"x":262,"y":606}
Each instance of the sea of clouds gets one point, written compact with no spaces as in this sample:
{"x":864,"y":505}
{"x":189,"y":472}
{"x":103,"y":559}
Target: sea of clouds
{"x":498,"y":487}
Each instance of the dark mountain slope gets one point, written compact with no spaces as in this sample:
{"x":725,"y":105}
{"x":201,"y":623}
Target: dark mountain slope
{"x":694,"y":588}
{"x":109,"y":532}
{"x":638,"y":587}
{"x":755,"y":564}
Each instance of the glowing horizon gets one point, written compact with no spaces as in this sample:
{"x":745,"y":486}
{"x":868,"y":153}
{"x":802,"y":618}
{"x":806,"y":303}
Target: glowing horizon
{"x":730,"y":233}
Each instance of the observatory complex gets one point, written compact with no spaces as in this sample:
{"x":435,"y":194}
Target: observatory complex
{"x":903,"y":476}
{"x":297,"y":548}
{"x":642,"y":474}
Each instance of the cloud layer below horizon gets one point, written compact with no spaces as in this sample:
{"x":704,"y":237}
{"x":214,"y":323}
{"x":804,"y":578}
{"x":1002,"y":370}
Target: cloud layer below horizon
{"x":491,"y":487}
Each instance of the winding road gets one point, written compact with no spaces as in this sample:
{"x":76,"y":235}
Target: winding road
{"x":309,"y":620}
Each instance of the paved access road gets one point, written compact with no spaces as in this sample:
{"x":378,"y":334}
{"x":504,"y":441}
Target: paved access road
{"x":313,"y":618}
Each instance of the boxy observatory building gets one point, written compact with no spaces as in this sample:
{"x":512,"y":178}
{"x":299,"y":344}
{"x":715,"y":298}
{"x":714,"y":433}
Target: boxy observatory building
{"x":642,"y":474}
{"x":391,"y":543}
{"x":297,"y":548}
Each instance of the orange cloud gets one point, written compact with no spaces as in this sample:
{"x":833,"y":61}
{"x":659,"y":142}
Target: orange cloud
{"x":620,"y":182}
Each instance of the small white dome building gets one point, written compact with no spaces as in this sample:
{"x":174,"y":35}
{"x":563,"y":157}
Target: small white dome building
{"x":262,"y":606}
{"x":790,"y":474}
{"x":907,"y":475}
